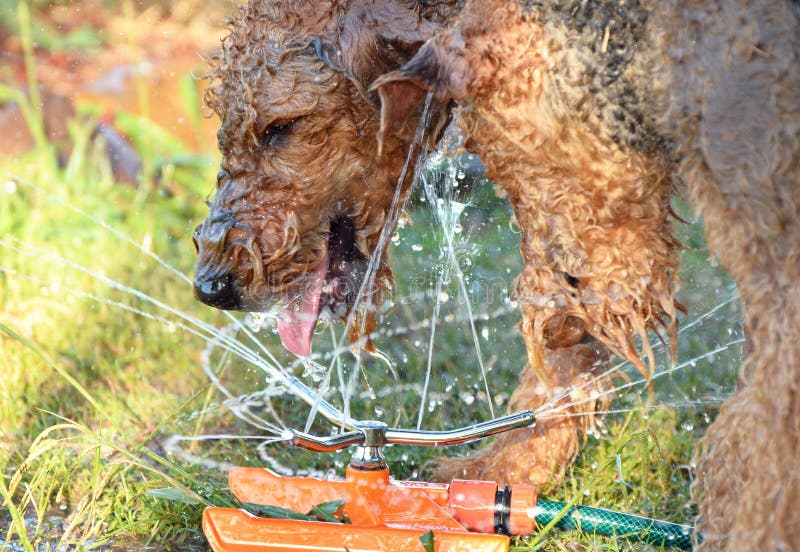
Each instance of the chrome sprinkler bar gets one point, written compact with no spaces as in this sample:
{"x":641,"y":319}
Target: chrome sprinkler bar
{"x":358,"y":429}
{"x":377,"y":434}
{"x":372,"y":436}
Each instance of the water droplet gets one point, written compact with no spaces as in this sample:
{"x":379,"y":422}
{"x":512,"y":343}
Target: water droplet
{"x":457,"y":208}
{"x":396,"y":238}
{"x":457,"y":229}
{"x":688,"y":425}
{"x":315,"y":371}
{"x":416,"y":247}
{"x":444,"y":297}
{"x":256,"y":320}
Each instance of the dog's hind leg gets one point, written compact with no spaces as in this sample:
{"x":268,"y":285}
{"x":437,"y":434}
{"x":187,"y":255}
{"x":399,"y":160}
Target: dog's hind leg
{"x":735,"y":98}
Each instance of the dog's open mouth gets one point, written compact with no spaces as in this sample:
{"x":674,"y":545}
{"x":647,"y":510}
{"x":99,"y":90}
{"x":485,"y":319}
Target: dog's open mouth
{"x":328,"y":293}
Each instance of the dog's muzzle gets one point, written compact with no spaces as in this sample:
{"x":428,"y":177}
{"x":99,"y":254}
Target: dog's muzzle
{"x":218,"y":292}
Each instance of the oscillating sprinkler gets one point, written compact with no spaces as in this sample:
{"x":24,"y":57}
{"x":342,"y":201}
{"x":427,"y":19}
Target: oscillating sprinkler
{"x":391,"y":516}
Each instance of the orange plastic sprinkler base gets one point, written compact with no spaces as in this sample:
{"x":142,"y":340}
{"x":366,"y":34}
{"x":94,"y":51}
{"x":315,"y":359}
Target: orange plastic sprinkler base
{"x":387,"y":516}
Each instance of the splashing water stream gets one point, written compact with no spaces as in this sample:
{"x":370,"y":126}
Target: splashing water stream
{"x":368,"y":286}
{"x":546,"y":409}
{"x":447,"y":213}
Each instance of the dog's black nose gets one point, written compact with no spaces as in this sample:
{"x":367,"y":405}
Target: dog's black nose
{"x":217,"y":292}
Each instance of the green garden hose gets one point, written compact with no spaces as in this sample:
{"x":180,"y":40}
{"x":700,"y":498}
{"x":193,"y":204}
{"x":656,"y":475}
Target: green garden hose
{"x":614,"y":524}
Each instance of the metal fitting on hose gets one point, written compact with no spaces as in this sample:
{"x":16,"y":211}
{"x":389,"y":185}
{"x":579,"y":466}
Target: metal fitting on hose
{"x":484,"y":507}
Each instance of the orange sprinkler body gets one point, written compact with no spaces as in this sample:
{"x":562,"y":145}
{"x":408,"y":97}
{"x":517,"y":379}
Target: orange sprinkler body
{"x":385,"y":515}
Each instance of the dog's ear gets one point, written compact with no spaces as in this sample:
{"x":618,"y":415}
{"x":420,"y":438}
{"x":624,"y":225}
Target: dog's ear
{"x":373,"y":40}
{"x":439,"y":67}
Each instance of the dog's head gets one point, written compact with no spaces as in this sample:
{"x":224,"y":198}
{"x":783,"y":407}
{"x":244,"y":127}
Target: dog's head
{"x":303,"y":192}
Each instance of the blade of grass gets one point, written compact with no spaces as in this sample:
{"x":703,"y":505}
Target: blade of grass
{"x":190,"y":99}
{"x":16,"y":517}
{"x":24,"y":17}
{"x":212,"y":390}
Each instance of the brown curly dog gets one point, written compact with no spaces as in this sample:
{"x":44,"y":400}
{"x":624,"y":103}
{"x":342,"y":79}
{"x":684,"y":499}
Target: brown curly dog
{"x":587,"y":114}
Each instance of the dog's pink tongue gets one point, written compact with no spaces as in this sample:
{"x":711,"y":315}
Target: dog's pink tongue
{"x":296,"y":324}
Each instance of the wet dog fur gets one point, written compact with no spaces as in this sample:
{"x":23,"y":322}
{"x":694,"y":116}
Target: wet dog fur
{"x":588,"y":115}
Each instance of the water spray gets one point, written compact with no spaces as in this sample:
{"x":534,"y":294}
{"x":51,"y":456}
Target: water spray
{"x":388,"y":515}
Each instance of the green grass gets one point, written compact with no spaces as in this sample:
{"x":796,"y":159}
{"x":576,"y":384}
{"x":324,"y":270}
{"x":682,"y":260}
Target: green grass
{"x":91,"y":392}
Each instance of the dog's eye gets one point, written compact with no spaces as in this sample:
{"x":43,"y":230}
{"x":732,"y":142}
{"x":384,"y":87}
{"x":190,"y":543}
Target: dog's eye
{"x":272,"y":135}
